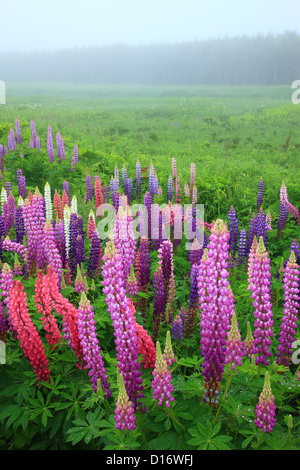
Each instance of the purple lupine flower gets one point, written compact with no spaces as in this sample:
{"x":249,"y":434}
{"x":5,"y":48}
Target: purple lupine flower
{"x":73,"y":233}
{"x":79,"y":285}
{"x":261,"y":295}
{"x":66,"y":188}
{"x":60,"y":147}
{"x":75,"y":154}
{"x":289,"y":320}
{"x":216,"y":304}
{"x":7,"y":186}
{"x":105,"y":194}
{"x":294,"y":248}
{"x":124,"y":413}
{"x":130,"y":190}
{"x":33,"y":134}
{"x":260,"y":194}
{"x":165,"y":256}
{"x":138,"y":183}
{"x":234,"y":234}
{"x":19,"y":248}
{"x":50,"y":148}
{"x":21,"y":183}
{"x":177,"y":328}
{"x":96,"y":251}
{"x":261,"y":226}
{"x":18,"y":131}
{"x":251,"y":234}
{"x":148,"y":202}
{"x":161,"y":384}
{"x":123,"y":322}
{"x":242,"y":247}
{"x":6,"y":280}
{"x":91,"y":350}
{"x":282,"y":220}
{"x":11,"y":141}
{"x":266,"y":408}
{"x":234,"y":345}
{"x":170,"y":189}
{"x":152,"y":181}
{"x":89,"y":188}
{"x":60,"y":240}
{"x":285,"y":200}
{"x":159,"y":300}
{"x":124,"y":179}
{"x":192,"y":177}
{"x":3,"y":323}
{"x":193,"y":307}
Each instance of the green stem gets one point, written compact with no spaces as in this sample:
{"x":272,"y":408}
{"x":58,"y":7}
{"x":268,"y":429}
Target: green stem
{"x":170,"y":413}
{"x":224,"y":396}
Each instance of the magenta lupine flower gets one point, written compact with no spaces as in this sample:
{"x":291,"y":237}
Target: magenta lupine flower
{"x":234,"y":345}
{"x":6,"y":281}
{"x":285,"y":200}
{"x":124,"y":413}
{"x":250,"y":260}
{"x":18,"y":131}
{"x":261,"y":295}
{"x":123,"y":322}
{"x":51,"y":251}
{"x":289,"y":321}
{"x":266,"y":408}
{"x":79,"y":285}
{"x":216,"y":305}
{"x":16,"y":247}
{"x":91,"y":350}
{"x":161,"y":384}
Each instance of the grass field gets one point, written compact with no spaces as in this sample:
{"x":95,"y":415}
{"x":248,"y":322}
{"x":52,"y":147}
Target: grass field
{"x":234,"y":135}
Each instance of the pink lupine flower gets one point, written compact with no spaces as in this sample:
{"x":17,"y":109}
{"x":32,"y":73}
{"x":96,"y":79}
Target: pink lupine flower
{"x":161,"y":384}
{"x":124,"y":413}
{"x":266,"y":408}
{"x":261,"y":295}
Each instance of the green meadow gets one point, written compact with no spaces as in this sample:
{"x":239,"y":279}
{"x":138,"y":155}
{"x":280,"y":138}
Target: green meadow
{"x":234,"y":135}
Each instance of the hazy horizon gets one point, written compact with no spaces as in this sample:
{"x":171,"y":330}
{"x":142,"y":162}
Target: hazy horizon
{"x":66,"y":24}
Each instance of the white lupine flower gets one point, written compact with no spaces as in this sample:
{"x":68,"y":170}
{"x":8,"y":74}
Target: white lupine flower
{"x":67,"y":213}
{"x":74,"y":205}
{"x":20,"y":201}
{"x":48,"y":202}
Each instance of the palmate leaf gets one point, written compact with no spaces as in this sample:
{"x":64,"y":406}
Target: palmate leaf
{"x":207,"y":437}
{"x":86,"y":429}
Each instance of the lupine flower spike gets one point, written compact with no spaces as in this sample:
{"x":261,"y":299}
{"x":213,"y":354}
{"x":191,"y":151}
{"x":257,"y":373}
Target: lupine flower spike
{"x":161,"y":384}
{"x":266,"y":408}
{"x":124,"y":413}
{"x":234,"y":345}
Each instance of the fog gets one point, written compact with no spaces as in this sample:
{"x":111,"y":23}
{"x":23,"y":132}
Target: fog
{"x":59,"y":24}
{"x":150,"y":42}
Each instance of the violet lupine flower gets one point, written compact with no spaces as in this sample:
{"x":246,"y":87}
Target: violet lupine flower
{"x":159,"y":300}
{"x":75,"y":154}
{"x":282,"y":220}
{"x":177,"y":328}
{"x":289,"y":320}
{"x":234,"y":234}
{"x":215,"y":300}
{"x":170,"y":190}
{"x":266,"y":408}
{"x":66,"y":189}
{"x":89,"y":188}
{"x":91,"y":350}
{"x":124,"y":179}
{"x":294,"y":248}
{"x":105,"y":194}
{"x":138,"y":183}
{"x":123,"y":323}
{"x":124,"y":413}
{"x":130,"y":190}
{"x":165,"y":256}
{"x":148,"y":202}
{"x":152,"y":186}
{"x":261,"y":226}
{"x":261,"y":295}
{"x":7,"y":186}
{"x":11,"y":141}
{"x":73,"y":234}
{"x":260,"y":194}
{"x":161,"y":384}
{"x":242,"y":247}
{"x":234,"y":345}
{"x":3,"y":323}
{"x":192,"y":176}
{"x":50,"y":148}
{"x":252,"y":233}
{"x":33,"y":134}
{"x":21,"y":183}
{"x":193,"y":307}
{"x":6,"y":281}
{"x":18,"y":131}
{"x":60,"y":241}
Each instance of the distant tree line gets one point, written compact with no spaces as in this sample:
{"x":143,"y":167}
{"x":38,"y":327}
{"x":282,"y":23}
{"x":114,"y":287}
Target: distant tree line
{"x":257,"y":60}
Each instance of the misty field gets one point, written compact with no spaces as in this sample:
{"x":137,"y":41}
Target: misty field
{"x":204,"y":357}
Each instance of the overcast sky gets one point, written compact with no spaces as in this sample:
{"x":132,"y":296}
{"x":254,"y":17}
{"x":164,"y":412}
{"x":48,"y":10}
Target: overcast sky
{"x":55,"y":24}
